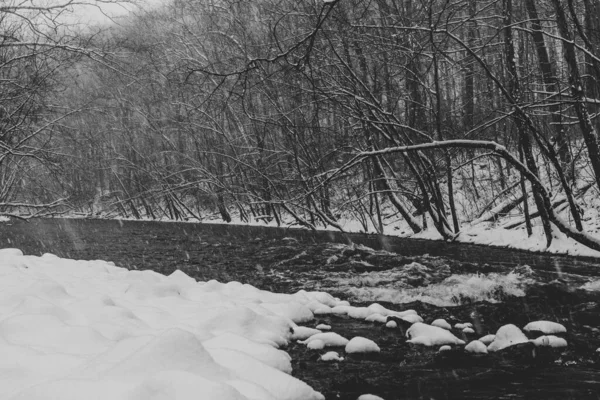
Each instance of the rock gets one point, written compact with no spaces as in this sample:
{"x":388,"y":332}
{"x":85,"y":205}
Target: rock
{"x":331,"y":356}
{"x":476,"y":347}
{"x":507,"y":335}
{"x":377,"y":318}
{"x":549,"y":341}
{"x":400,"y":323}
{"x":360,"y":344}
{"x":391,"y":324}
{"x":487,"y":339}
{"x":303,"y":332}
{"x":545,"y":327}
{"x":316,"y":345}
{"x":428,"y":335}
{"x":441,"y":323}
{"x":464,"y":325}
{"x":518,"y":354}
{"x":369,"y":397}
{"x":412,"y":318}
{"x":328,"y":338}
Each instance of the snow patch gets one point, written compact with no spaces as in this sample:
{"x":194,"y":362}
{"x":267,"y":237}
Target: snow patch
{"x":507,"y":335}
{"x":476,"y":347}
{"x":547,"y":327}
{"x":549,"y":341}
{"x":331,"y":356}
{"x":360,"y":344}
{"x":428,"y":335}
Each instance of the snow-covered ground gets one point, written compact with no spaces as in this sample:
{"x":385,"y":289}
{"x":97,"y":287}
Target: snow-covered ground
{"x":90,"y":330}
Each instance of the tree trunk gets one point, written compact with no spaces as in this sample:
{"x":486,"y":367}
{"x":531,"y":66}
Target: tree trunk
{"x":588,"y":131}
{"x":550,"y":81}
{"x":524,"y":139}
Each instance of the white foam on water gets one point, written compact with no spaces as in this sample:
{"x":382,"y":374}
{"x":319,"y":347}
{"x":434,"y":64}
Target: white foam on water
{"x":455,"y":290}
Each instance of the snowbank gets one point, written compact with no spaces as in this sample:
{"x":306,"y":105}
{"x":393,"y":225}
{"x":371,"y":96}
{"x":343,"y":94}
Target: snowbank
{"x":90,"y":330}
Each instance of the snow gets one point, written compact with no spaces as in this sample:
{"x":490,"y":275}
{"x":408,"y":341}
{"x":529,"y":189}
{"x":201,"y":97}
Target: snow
{"x":412,"y":318}
{"x":324,"y":327}
{"x":441,"y":323}
{"x":476,"y":347}
{"x":90,"y":330}
{"x":463,"y":325}
{"x":329,"y":339}
{"x":303,"y":332}
{"x":507,"y":335}
{"x":375,"y":313}
{"x":487,"y":339}
{"x":331,"y":356}
{"x":376,"y":318}
{"x":468,"y":330}
{"x":391,"y":324}
{"x":359,"y":344}
{"x":549,"y":341}
{"x":316,"y":345}
{"x":445,"y":348}
{"x":547,"y":327}
{"x":369,"y":397}
{"x":428,"y":335}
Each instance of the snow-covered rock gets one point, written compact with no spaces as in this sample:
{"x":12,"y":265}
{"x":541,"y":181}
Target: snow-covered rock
{"x":316,"y":345}
{"x":546,"y":327}
{"x":378,"y":308}
{"x":412,"y":318}
{"x":359,"y":312}
{"x":329,"y":339}
{"x":476,"y":347}
{"x":391,"y":324}
{"x":369,"y":397}
{"x":441,"y":323}
{"x":463,"y":325}
{"x":468,"y":330}
{"x":331,"y":356}
{"x":487,"y":339}
{"x":322,"y":310}
{"x":549,"y":341}
{"x":341,"y":309}
{"x":360,"y":344}
{"x":324,"y":327}
{"x":444,"y":348}
{"x":303,"y":332}
{"x":376,"y":318}
{"x":507,"y":335}
{"x":428,"y":335}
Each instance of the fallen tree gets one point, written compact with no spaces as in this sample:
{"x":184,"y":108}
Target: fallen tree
{"x":496,"y":150}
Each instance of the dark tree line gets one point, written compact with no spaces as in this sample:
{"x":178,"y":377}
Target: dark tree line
{"x":436,"y":112}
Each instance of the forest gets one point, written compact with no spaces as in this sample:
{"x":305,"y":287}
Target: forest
{"x":438,"y":113}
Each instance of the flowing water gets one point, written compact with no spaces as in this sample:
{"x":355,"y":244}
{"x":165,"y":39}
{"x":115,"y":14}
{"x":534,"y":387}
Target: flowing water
{"x":488,"y":295}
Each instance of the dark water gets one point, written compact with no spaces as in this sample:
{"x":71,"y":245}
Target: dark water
{"x":281,"y":264}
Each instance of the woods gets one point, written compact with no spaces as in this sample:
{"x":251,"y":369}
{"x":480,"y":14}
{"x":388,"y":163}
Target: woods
{"x":309,"y":113}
